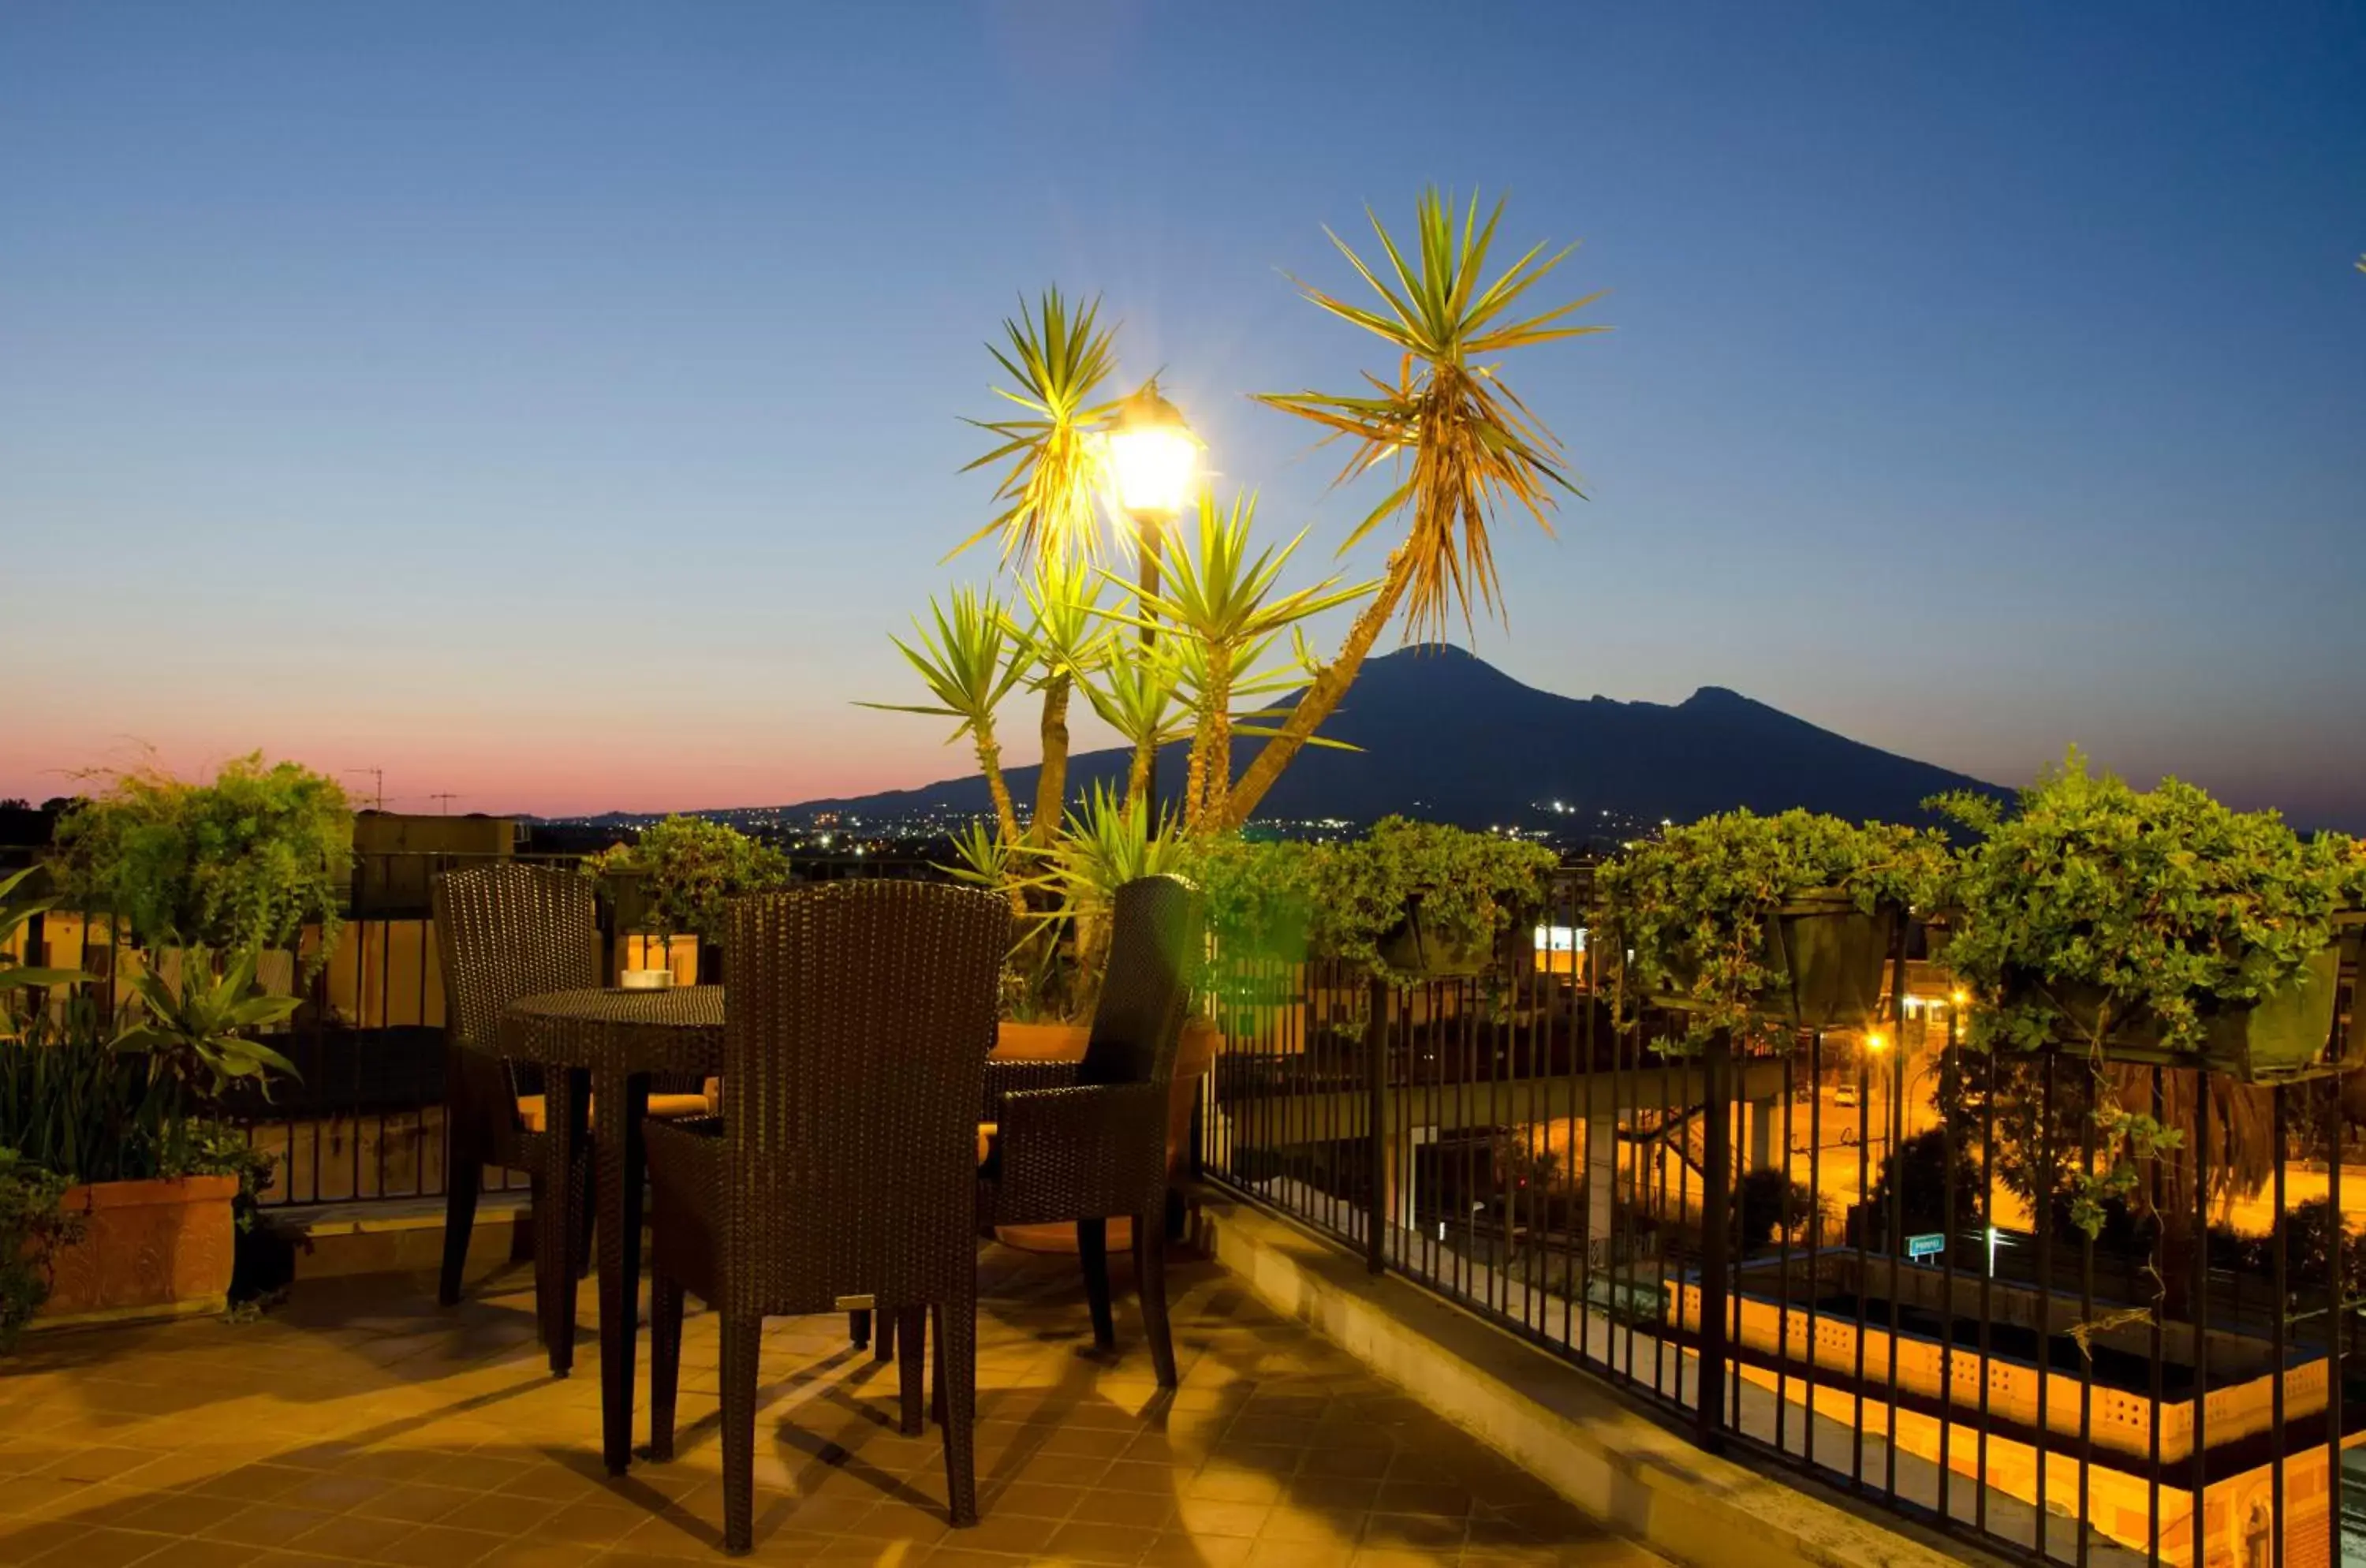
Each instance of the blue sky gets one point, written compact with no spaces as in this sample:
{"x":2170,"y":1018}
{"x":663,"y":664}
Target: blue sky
{"x":559,"y":405}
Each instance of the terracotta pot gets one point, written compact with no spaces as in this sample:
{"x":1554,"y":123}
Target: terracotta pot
{"x":149,"y":1249}
{"x":1066,"y":1042}
{"x":1040,"y":1042}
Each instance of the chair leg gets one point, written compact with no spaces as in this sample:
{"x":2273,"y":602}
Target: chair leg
{"x":741,"y":1336}
{"x":858,"y":1329}
{"x":957,"y":1356}
{"x":1092,"y":1251}
{"x":665,"y":1358}
{"x":460,"y":1187}
{"x":1150,"y":1278}
{"x":909,"y":1336}
{"x":884,"y":1349}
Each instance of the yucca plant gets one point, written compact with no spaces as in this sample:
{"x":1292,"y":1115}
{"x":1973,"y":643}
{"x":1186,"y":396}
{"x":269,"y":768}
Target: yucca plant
{"x":1107,"y":842}
{"x":969,"y":662}
{"x":1055,"y":466}
{"x":1465,"y":446}
{"x":1137,"y":691}
{"x":1221,"y":595}
{"x":1062,"y":638}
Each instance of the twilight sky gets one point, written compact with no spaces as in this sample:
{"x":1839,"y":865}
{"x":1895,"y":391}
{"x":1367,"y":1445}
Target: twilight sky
{"x":557,"y":406}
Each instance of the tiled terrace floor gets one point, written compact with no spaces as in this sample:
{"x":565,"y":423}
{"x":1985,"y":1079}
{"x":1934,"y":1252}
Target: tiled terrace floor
{"x":362,"y":1424}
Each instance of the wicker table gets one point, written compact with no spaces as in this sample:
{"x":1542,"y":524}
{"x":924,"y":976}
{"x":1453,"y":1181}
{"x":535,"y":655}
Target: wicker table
{"x":603,"y":1044}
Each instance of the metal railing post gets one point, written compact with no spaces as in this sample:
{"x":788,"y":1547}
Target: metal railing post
{"x":1376,"y":1128}
{"x":1717,"y":1187}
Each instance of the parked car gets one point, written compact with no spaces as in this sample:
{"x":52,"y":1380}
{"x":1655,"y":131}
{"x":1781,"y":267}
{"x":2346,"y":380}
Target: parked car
{"x":1844,"y":1095}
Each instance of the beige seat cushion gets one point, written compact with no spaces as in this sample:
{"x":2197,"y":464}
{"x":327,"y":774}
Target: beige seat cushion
{"x":986,"y":1132}
{"x":533,"y":1117}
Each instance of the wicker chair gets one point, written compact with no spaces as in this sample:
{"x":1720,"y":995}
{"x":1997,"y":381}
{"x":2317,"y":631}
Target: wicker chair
{"x":505,"y":931}
{"x":840,"y":1175}
{"x":1087,"y":1141}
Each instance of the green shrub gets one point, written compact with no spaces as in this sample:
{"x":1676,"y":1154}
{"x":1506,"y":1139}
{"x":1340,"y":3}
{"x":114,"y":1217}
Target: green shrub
{"x":1692,"y":906}
{"x":244,"y":862}
{"x":2156,"y":907}
{"x":690,"y":866}
{"x":33,"y":1225}
{"x":1282,"y":902}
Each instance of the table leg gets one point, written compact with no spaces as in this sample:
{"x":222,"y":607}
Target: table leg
{"x":558,"y":1219}
{"x":619,"y":1102}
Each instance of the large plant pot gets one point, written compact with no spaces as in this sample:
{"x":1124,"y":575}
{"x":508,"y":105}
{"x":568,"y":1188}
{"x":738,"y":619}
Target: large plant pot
{"x":149,"y":1249}
{"x":2278,"y":1039}
{"x":1832,"y":955}
{"x":1410,"y":949}
{"x":1195,"y":1056}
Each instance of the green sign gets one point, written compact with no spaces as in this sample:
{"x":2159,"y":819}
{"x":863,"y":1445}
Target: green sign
{"x":1927,"y":1246}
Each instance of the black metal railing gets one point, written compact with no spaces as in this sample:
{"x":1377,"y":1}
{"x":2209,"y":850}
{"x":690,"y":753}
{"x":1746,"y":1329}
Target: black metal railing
{"x":1856,"y":1260}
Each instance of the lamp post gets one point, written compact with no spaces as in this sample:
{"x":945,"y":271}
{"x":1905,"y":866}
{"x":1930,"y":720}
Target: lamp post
{"x":1155,"y":460}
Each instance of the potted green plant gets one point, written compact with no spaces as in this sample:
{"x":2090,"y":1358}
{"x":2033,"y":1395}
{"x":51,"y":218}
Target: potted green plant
{"x":1737,"y":919}
{"x":130,"y":1124}
{"x":251,"y":860}
{"x":34,"y":1224}
{"x":674,"y":883}
{"x":2149,"y":926}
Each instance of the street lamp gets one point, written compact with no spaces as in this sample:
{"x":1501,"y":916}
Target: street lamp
{"x":1155,"y":459}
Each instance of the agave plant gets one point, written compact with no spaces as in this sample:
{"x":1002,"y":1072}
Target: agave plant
{"x":1221,"y":598}
{"x":1054,"y":463}
{"x":1465,"y":446}
{"x":969,"y":662}
{"x":199,"y":1030}
{"x":17,"y":911}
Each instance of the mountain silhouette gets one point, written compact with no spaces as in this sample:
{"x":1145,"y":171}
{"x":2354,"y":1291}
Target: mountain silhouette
{"x":1445,"y":737}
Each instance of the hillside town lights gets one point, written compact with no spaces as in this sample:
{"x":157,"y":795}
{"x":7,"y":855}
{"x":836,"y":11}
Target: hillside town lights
{"x":1155,"y":460}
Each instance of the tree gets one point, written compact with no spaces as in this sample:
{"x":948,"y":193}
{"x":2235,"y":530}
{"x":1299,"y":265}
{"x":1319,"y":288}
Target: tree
{"x":969,"y":662}
{"x":1222,"y":600}
{"x":1465,"y":446}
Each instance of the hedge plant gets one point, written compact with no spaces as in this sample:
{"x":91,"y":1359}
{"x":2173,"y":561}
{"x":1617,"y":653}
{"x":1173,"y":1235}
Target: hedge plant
{"x":2091,"y":909}
{"x":692,"y":865}
{"x":1692,"y":906}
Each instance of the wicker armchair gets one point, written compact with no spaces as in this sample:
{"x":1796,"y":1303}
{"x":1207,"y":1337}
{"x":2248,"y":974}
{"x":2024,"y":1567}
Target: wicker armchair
{"x":840,"y":1176}
{"x":1087,"y":1141}
{"x":505,"y":931}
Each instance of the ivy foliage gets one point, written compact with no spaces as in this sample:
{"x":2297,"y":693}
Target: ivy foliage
{"x":692,"y":865}
{"x":241,"y":863}
{"x":1281,"y":901}
{"x":2091,"y":908}
{"x":1690,"y":907}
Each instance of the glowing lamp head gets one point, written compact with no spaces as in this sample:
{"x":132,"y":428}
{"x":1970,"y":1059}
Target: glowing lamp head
{"x":1961,"y":999}
{"x":1877,"y":1042}
{"x":1153,"y":454}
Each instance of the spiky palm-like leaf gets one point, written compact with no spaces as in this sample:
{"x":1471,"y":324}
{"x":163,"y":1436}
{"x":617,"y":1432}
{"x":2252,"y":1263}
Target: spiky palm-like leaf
{"x":1471,"y":444}
{"x":1465,"y":446}
{"x":202,"y":1026}
{"x":969,"y":662}
{"x":15,"y":913}
{"x":1223,"y":595}
{"x":966,"y":660}
{"x":1055,"y":461}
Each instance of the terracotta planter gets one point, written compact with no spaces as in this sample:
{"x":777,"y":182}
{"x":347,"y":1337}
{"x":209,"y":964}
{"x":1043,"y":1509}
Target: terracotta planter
{"x":1040,"y":1042}
{"x":149,"y":1249}
{"x":1066,"y":1042}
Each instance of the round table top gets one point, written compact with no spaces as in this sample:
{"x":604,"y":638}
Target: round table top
{"x":680,"y":1029}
